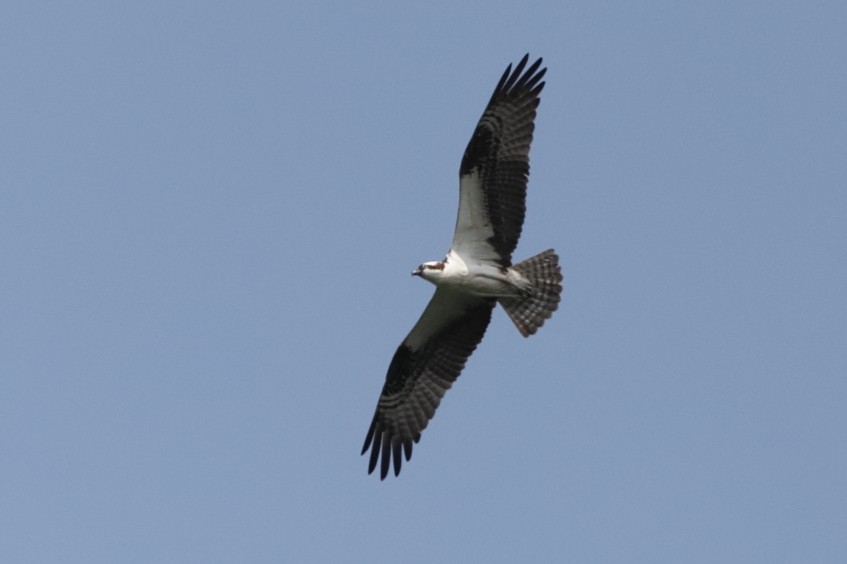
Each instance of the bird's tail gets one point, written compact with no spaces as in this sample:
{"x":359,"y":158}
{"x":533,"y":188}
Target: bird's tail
{"x":529,"y":312}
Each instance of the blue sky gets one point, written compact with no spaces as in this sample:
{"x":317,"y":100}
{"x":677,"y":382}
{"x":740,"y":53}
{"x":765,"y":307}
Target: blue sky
{"x":209,"y":213}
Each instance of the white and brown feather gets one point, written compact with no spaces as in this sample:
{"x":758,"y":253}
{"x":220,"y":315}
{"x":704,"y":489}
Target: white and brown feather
{"x":495,"y":168}
{"x":424,"y":367}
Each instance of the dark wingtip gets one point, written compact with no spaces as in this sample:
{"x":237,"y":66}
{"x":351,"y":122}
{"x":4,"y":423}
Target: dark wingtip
{"x":383,"y":448}
{"x":369,"y":436}
{"x":521,"y":64}
{"x":522,"y":77}
{"x":376,"y":435}
{"x":386,"y":459}
{"x":397,"y":457}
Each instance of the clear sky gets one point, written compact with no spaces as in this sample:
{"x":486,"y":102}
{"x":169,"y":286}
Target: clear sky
{"x":208,"y":217}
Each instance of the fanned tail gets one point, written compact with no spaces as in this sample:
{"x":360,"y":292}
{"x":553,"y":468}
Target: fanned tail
{"x":529,"y":312}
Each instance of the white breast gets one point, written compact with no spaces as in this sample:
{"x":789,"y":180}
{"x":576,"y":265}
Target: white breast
{"x":479,"y":278}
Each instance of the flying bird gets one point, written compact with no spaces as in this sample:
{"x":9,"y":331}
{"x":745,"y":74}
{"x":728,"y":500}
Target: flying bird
{"x":476,"y":274}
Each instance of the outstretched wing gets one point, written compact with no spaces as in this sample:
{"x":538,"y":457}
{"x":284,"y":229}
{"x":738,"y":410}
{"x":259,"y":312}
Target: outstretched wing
{"x":424,"y":367}
{"x":495,"y":169}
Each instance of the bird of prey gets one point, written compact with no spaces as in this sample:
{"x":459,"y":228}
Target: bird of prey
{"x":476,"y":274}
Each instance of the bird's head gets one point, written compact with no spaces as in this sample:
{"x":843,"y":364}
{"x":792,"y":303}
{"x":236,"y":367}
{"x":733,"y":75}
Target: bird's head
{"x":431,"y":271}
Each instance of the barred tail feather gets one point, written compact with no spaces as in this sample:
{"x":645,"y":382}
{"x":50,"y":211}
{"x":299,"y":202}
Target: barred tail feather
{"x":529,"y":312}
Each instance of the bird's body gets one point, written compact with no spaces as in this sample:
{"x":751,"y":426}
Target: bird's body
{"x":476,"y":274}
{"x":474,"y":278}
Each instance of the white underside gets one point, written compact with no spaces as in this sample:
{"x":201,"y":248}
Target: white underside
{"x":477,"y":278}
{"x":458,"y":281}
{"x":471,"y":268}
{"x":473,"y":227}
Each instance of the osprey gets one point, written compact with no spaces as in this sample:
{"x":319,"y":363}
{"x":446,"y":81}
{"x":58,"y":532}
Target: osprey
{"x":476,"y":274}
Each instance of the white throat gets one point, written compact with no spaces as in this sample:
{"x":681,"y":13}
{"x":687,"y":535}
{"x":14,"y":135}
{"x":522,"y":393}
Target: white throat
{"x":451,"y":270}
